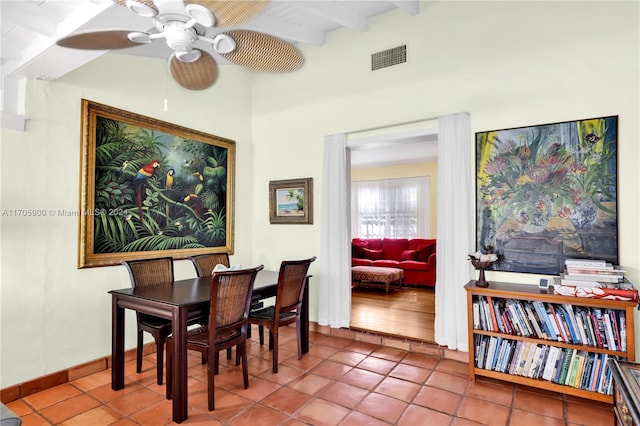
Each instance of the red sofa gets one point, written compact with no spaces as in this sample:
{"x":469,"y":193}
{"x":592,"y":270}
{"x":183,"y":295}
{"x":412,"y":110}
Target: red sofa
{"x":417,"y":257}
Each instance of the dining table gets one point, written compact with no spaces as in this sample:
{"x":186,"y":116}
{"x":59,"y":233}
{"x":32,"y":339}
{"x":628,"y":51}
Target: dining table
{"x":174,"y":301}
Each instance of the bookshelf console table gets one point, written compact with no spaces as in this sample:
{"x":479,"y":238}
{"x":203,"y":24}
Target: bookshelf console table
{"x":522,"y":334}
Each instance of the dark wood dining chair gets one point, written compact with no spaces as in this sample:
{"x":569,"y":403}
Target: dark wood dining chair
{"x":204,"y":263}
{"x":286,"y":310}
{"x":228,"y":322}
{"x":148,"y":272}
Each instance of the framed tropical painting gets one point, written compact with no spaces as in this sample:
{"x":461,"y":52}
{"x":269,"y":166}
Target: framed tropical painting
{"x":151,"y":189}
{"x":548,"y":192}
{"x":291,"y":201}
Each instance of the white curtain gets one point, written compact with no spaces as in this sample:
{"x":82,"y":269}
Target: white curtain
{"x":390,"y":208}
{"x":455,"y":216}
{"x":334,"y":294}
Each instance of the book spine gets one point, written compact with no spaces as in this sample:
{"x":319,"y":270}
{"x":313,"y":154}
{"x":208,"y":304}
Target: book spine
{"x":499,"y":353}
{"x":616,"y":329}
{"x":585,"y":262}
{"x":581,"y":328}
{"x":552,"y":320}
{"x":533,"y":365}
{"x":596,"y":329}
{"x":573,"y":325}
{"x":611,"y":340}
{"x":476,"y":315}
{"x":498,"y":316}
{"x":586,"y":373}
{"x":492,"y":314}
{"x":534,"y":322}
{"x":558,"y":367}
{"x":580,"y":360}
{"x":623,"y":331}
{"x":514,"y":318}
{"x":566,"y":362}
{"x":492,"y":349}
{"x":573,"y":369}
{"x":542,"y":313}
{"x":593,"y":380}
{"x":549,"y":365}
{"x":523,"y":358}
{"x":563,"y":330}
{"x":566,"y":322}
{"x":522,"y":316}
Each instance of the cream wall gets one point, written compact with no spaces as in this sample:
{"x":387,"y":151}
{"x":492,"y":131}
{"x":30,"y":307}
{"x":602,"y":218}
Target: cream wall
{"x":507,"y":64}
{"x":53,"y":315}
{"x":397,"y":171}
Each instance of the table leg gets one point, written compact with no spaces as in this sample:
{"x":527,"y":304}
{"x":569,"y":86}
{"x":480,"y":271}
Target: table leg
{"x":117,"y":345}
{"x":179,"y":331}
{"x":304,"y":319}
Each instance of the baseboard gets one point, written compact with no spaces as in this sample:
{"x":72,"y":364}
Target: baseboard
{"x":21,"y":390}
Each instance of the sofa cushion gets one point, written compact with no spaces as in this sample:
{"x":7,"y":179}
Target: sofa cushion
{"x":393,"y":247}
{"x":361,"y":262}
{"x":413,"y":265}
{"x":372,"y":254}
{"x":409,"y":255}
{"x":386,"y":263}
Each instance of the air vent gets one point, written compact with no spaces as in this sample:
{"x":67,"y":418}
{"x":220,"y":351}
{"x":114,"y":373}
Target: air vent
{"x":389,"y":57}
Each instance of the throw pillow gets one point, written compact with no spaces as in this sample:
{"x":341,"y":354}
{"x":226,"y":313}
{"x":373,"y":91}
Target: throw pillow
{"x":409,"y":255}
{"x":357,"y":251}
{"x":373,"y":254}
{"x":424,"y":253}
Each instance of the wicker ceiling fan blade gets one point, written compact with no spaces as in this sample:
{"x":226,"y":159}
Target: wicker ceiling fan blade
{"x":263,"y":52}
{"x":196,"y":75}
{"x":98,"y":40}
{"x":229,"y":13}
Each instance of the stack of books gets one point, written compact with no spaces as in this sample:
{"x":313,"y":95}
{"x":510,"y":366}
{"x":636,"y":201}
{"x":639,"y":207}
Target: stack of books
{"x":594,"y":278}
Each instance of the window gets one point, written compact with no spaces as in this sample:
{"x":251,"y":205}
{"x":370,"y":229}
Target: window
{"x":390,"y":208}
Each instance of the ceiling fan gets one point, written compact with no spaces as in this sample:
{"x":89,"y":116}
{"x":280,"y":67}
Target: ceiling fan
{"x":183,"y":24}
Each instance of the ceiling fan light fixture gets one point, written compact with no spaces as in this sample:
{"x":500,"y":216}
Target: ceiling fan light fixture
{"x":201,"y":15}
{"x":180,"y":39}
{"x":141,"y":9}
{"x":139,"y":37}
{"x":223,"y":44}
{"x":191,"y":56}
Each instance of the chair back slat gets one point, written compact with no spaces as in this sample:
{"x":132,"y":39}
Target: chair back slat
{"x":147,"y":272}
{"x":231,"y":299}
{"x":291,"y":281}
{"x":204,"y":263}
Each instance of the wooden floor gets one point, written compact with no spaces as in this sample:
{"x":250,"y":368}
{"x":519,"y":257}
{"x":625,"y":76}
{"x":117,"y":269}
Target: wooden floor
{"x":408,"y":312}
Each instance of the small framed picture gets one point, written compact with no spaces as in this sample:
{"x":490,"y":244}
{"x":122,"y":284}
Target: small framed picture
{"x":291,"y":201}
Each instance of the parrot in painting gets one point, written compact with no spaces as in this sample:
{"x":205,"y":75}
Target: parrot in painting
{"x":143,"y":174}
{"x":168,"y":184}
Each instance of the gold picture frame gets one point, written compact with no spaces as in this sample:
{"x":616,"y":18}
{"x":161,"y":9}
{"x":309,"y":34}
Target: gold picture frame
{"x":291,"y":201}
{"x":150,"y":189}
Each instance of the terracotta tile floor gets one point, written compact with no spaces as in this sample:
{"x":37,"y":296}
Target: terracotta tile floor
{"x":339,"y":382}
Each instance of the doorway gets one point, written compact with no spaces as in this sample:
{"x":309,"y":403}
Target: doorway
{"x":410,"y":311}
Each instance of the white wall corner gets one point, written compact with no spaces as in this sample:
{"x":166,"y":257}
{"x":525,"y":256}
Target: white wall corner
{"x":12,"y":121}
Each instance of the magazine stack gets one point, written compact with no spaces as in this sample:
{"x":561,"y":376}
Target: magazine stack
{"x":594,"y":278}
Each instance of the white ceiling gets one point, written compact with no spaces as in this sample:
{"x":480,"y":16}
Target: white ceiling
{"x":30,"y":29}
